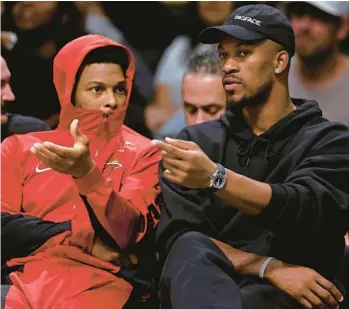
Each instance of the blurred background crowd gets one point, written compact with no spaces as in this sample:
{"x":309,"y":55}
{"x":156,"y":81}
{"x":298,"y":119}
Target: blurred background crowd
{"x":162,"y":36}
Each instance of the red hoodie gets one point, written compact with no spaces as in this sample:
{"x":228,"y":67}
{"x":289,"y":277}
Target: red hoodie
{"x":119,"y":190}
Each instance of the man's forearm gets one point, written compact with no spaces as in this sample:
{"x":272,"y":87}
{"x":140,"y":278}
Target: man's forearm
{"x":22,"y":234}
{"x":245,"y":263}
{"x":249,"y":195}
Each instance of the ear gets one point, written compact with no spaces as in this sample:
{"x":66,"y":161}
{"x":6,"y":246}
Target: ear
{"x":282,"y":60}
{"x":343,"y":29}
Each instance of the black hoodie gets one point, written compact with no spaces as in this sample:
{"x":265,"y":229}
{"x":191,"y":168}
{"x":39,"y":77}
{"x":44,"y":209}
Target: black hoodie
{"x":303,"y":157}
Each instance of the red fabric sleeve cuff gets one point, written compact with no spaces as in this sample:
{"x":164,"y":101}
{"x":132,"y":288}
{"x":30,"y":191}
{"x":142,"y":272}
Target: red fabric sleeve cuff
{"x":90,"y":182}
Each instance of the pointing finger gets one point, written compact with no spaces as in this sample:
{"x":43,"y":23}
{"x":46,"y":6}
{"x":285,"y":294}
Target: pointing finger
{"x":172,"y":150}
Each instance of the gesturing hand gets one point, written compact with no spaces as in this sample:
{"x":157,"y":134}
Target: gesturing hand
{"x":101,"y":251}
{"x":186,"y":164}
{"x":75,"y":160}
{"x":306,"y":286}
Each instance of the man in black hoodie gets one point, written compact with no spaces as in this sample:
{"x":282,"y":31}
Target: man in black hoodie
{"x":269,"y":178}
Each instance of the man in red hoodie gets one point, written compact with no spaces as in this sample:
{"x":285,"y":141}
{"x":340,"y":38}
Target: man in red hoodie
{"x":78,"y":201}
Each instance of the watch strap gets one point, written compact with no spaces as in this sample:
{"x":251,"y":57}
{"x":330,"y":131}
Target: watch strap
{"x":220,"y":168}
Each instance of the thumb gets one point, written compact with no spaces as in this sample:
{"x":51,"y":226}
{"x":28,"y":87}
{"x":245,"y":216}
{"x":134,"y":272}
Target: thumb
{"x":75,"y":132}
{"x":185,"y":145}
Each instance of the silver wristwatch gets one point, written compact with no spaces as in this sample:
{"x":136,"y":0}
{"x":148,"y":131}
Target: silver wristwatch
{"x":218,"y":178}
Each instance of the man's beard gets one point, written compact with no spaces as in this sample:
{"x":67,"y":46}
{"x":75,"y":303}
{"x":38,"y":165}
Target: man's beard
{"x":317,"y":58}
{"x":260,"y":98}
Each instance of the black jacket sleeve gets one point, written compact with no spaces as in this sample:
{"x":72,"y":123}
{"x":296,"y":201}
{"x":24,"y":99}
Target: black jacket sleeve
{"x":182,"y":210}
{"x":314,"y":199}
{"x":21,"y":235}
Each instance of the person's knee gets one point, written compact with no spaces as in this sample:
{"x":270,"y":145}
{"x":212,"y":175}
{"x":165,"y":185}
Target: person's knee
{"x":188,"y":246}
{"x":182,"y":248}
{"x":191,"y":237}
{"x":195,"y":250}
{"x":192,"y":264}
{"x":199,"y":247}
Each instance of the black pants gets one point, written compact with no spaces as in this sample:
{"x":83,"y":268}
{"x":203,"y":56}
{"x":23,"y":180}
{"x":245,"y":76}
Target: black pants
{"x":197,"y":275}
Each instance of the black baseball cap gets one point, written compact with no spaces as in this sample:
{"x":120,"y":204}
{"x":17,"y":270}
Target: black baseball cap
{"x":254,"y":23}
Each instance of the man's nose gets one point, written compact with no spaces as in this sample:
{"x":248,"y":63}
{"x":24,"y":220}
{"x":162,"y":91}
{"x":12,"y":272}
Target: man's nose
{"x":111,"y":101}
{"x":305,"y":21}
{"x":7,"y":94}
{"x":230,"y":66}
{"x":201,"y":117}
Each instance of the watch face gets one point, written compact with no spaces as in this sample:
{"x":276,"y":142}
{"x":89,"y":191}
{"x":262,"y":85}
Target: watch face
{"x":219,"y":181}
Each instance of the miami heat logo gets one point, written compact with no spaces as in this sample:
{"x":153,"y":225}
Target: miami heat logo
{"x":111,"y":166}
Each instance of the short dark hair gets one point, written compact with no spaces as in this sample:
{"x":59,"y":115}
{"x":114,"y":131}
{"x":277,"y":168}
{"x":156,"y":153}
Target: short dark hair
{"x":105,"y":54}
{"x":204,"y":62}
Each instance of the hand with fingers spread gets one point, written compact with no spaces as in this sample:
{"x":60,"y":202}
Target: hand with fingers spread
{"x":75,"y":160}
{"x":103,"y":252}
{"x":185,"y":163}
{"x":305,"y":285}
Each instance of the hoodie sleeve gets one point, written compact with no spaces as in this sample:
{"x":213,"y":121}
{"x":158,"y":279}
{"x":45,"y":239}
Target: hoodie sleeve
{"x":183,"y":210}
{"x":121,"y":216}
{"x":314,"y":199}
{"x":21,"y":234}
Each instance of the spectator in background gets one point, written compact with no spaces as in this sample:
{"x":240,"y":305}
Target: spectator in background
{"x":203,"y":96}
{"x":174,"y":63}
{"x":42,"y":28}
{"x":13,"y":123}
{"x":320,"y":71}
